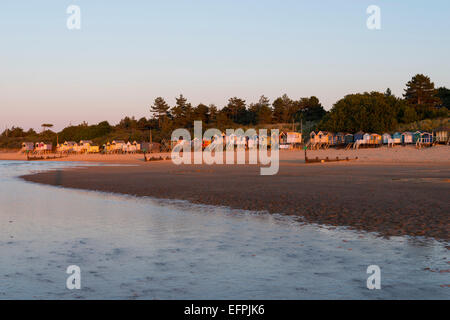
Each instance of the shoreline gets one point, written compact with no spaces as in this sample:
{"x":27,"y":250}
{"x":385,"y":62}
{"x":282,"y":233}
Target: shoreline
{"x":391,"y":199}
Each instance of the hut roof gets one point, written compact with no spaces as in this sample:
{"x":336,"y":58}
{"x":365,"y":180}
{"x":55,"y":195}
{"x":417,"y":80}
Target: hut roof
{"x":442,"y":128}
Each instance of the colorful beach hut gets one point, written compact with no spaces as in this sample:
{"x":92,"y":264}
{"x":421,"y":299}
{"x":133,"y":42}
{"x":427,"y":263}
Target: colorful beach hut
{"x":136,"y":146}
{"x":407,"y":137}
{"x":348,"y":138}
{"x":366,"y":138}
{"x":118,"y":145}
{"x":426,"y":138}
{"x":441,"y":134}
{"x":313,"y":137}
{"x":325,"y":137}
{"x":293,"y":137}
{"x":93,"y":149}
{"x":397,"y":138}
{"x":27,"y":147}
{"x":339,"y":138}
{"x":43,"y":147}
{"x":84,"y":146}
{"x":375,"y":139}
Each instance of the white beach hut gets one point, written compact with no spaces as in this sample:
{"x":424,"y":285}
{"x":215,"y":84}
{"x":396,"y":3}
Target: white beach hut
{"x":386,"y":138}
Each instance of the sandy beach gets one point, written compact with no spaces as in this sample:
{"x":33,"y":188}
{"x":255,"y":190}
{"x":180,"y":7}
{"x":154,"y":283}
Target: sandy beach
{"x":400,"y":191}
{"x":409,"y":154}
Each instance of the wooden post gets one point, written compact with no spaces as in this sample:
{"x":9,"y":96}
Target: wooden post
{"x":306,"y":157}
{"x":151,"y":142}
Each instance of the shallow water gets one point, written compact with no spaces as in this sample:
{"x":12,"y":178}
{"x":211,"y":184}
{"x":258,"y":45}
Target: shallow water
{"x":129,"y":248}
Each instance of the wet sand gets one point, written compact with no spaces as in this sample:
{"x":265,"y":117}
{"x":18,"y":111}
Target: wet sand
{"x":372,"y":194}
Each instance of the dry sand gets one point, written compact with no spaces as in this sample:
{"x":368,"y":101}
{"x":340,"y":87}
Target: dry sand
{"x":399,"y":154}
{"x":400,"y":191}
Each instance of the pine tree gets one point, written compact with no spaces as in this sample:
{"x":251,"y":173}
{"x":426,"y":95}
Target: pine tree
{"x":160,"y":109}
{"x":420,"y":91}
{"x":182,"y":112}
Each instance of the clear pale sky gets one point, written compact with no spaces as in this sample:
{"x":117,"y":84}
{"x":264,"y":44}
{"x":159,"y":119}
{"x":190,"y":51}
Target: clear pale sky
{"x":129,"y":52}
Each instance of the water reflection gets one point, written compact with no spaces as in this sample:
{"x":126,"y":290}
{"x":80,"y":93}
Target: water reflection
{"x":145,"y":249}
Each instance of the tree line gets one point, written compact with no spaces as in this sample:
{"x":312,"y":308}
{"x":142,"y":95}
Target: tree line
{"x":381,"y":112}
{"x":368,"y":112}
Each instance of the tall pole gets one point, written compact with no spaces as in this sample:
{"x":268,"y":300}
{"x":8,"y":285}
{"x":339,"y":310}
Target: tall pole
{"x":151,"y":142}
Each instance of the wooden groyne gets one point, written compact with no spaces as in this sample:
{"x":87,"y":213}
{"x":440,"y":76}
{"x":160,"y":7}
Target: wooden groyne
{"x":337,"y":159}
{"x":41,"y":158}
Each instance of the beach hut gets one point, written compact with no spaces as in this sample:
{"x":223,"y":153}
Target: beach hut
{"x":366,"y":138}
{"x":386,"y":138}
{"x":283,"y":137}
{"x":84,"y":146}
{"x":93,"y":149}
{"x":253,"y":142}
{"x":325,"y":137}
{"x":358,"y":136}
{"x":136,"y":146}
{"x":397,"y":138}
{"x":313,"y":137}
{"x":43,"y":147}
{"x":60,"y":148}
{"x":348,"y":138}
{"x":263,"y":141}
{"x":441,"y":134}
{"x":333,"y":139}
{"x":127,"y":147}
{"x":241,"y":142}
{"x":287,"y":140}
{"x":407,"y":137}
{"x":294,"y":137}
{"x":107,"y":147}
{"x":27,"y":147}
{"x":283,"y":141}
{"x":425,"y":138}
{"x":68,"y":146}
{"x":231,"y":140}
{"x":117,"y":146}
{"x":339,"y":138}
{"x":375,"y":139}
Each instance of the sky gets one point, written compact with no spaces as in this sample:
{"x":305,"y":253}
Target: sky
{"x":127,"y":53}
